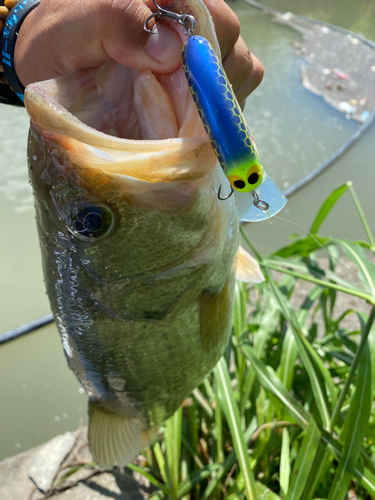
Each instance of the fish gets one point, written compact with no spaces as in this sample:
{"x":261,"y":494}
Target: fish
{"x":139,"y":255}
{"x":257,"y":197}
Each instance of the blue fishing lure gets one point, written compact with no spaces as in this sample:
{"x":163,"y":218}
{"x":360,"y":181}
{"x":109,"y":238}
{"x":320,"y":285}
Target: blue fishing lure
{"x":257,"y":197}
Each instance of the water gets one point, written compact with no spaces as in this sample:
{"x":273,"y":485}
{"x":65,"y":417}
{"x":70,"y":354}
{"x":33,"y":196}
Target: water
{"x":294,"y":129}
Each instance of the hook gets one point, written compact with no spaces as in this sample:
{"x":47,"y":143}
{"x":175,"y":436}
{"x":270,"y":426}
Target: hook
{"x":184,"y":20}
{"x":226,"y":197}
{"x":262,"y":205}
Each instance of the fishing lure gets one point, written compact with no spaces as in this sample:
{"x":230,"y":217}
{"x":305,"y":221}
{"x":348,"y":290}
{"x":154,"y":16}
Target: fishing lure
{"x":257,"y":197}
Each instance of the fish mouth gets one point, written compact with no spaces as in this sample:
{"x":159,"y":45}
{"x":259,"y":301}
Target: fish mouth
{"x":117,"y":119}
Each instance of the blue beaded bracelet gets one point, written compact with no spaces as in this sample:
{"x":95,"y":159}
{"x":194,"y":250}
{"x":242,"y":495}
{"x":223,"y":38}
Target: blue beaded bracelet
{"x":11,"y":29}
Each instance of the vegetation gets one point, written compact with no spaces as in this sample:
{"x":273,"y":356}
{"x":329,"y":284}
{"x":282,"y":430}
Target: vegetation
{"x":288,"y":411}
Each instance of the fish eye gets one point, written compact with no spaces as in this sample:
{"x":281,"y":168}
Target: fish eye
{"x":91,"y":222}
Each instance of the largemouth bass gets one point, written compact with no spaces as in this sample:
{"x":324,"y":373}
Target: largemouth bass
{"x":138,"y":253}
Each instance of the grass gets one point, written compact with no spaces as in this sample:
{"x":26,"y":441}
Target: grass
{"x":288,"y":410}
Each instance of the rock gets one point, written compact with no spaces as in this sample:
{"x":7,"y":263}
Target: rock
{"x":84,"y":484}
{"x":48,"y":459}
{"x":15,"y":483}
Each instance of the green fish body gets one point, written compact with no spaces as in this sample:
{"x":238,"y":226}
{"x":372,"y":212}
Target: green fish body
{"x":138,"y":252}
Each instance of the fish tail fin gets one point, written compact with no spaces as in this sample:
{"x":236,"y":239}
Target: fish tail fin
{"x":113,"y":439}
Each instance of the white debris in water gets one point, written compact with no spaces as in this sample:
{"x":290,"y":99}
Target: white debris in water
{"x":346,"y":107}
{"x":287,"y":16}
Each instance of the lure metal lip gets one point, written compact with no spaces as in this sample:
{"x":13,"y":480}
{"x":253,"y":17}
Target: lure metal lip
{"x":256,"y":209}
{"x":183,"y":19}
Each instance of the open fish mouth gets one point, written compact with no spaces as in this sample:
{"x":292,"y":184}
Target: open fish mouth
{"x":119,"y":116}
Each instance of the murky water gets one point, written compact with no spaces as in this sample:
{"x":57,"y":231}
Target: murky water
{"x":294,"y":129}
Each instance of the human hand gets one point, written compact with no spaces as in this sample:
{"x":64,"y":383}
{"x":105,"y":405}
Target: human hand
{"x":62,"y":36}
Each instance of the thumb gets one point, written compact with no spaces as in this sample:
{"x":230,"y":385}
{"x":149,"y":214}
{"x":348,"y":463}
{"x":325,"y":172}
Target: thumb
{"x":62,"y":36}
{"x":126,"y":41}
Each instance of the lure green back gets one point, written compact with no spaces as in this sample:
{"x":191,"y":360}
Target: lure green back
{"x":229,"y":134}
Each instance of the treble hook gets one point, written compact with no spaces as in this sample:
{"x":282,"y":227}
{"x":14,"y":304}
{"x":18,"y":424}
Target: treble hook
{"x":226,"y":197}
{"x":182,"y":19}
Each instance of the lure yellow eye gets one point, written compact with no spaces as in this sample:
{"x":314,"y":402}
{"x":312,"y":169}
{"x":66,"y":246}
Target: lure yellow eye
{"x":253,"y":179}
{"x":255,"y":176}
{"x":237,"y":182}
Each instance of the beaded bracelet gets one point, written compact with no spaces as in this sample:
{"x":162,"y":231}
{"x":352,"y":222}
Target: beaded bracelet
{"x":7,"y":96}
{"x":12,"y":15}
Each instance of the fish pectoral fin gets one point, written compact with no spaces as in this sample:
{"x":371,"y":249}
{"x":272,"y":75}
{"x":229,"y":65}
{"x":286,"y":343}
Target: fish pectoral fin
{"x":248,"y":269}
{"x":215,"y":316}
{"x":113,"y":439}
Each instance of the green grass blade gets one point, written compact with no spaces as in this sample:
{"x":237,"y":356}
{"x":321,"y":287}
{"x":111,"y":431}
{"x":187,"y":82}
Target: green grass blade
{"x":326,"y":284}
{"x":320,"y":467}
{"x":302,"y":469}
{"x":220,"y":457}
{"x":229,"y":462}
{"x":302,"y":344}
{"x":162,"y":466}
{"x":152,"y":479}
{"x":364,"y":337}
{"x":195,"y":478}
{"x":303,"y":247}
{"x":173,"y":432}
{"x":356,"y":422}
{"x":269,"y":380}
{"x":184,"y":467}
{"x":327,"y":206}
{"x":289,"y":347}
{"x":366,"y":269}
{"x":267,"y":327}
{"x":271,"y":383}
{"x":232,"y":414}
{"x":362,"y":217}
{"x":304,"y":269}
{"x":189,"y":448}
{"x":203,"y":402}
{"x":264,"y":493}
{"x":284,"y":463}
{"x":289,"y":353}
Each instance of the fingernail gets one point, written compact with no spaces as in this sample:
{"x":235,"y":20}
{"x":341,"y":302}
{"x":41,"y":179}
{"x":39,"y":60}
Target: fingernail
{"x":164,"y":45}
